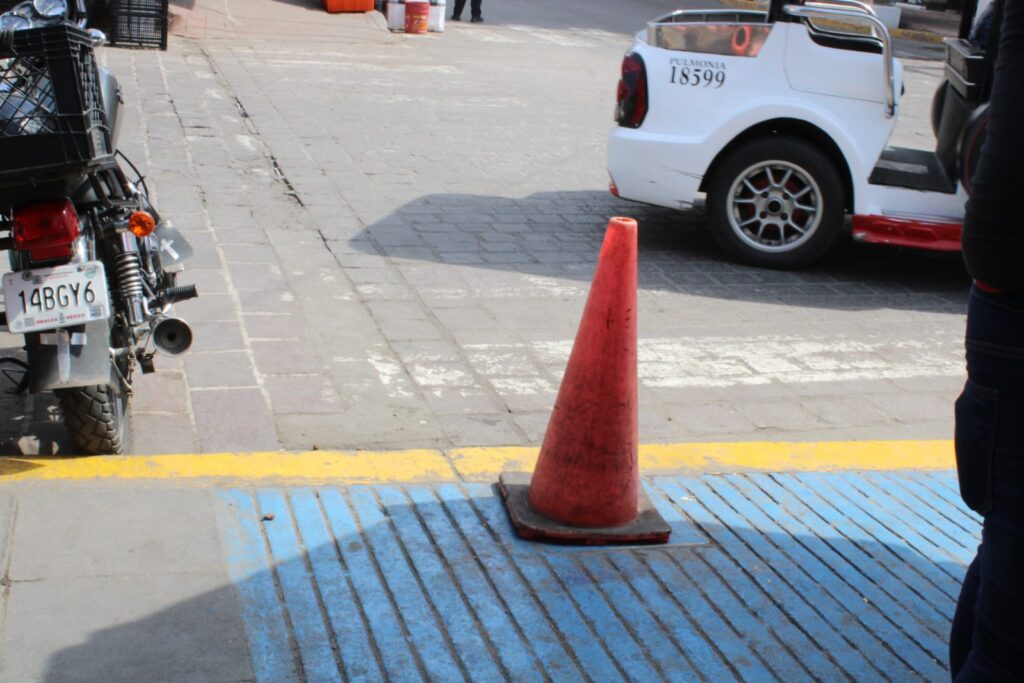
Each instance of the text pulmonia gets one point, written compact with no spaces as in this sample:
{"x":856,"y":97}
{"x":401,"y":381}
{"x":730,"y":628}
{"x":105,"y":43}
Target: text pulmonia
{"x":700,"y":63}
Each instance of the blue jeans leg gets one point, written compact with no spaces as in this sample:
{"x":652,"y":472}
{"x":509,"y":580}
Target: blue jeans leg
{"x":963,"y":621}
{"x":987,"y":639}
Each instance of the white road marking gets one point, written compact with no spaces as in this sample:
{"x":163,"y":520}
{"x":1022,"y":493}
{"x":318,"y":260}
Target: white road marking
{"x":435,"y":376}
{"x":390,"y":372}
{"x":732,"y":361}
{"x":523,"y":386}
{"x":536,"y":368}
{"x":599,"y":34}
{"x":462,"y":102}
{"x":356,"y":66}
{"x":493,"y":37}
{"x":680,"y":363}
{"x":555,"y":37}
{"x":555,"y":287}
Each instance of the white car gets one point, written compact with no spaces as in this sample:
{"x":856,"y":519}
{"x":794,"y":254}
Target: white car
{"x":782,"y":117}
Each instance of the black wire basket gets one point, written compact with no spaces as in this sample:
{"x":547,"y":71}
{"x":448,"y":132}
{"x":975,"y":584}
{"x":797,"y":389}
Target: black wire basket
{"x":139,"y":24}
{"x":51,"y":113}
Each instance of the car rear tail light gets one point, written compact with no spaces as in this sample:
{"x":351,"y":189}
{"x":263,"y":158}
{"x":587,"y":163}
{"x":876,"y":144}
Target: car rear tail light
{"x":631,"y":107}
{"x":46,"y":229}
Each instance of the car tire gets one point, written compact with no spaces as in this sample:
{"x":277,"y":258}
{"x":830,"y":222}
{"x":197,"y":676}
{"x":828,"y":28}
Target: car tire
{"x":776,"y":202}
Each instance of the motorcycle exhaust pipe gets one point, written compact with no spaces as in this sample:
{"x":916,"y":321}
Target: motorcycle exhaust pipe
{"x":171,"y":336}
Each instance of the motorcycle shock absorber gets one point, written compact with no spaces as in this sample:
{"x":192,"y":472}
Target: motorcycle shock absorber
{"x":129,"y":279}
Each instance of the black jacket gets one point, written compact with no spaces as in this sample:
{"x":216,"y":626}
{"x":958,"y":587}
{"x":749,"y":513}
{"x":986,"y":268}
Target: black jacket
{"x":993,"y":236}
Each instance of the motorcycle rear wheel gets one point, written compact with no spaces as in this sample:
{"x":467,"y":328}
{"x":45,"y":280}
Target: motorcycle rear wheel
{"x":96,"y":419}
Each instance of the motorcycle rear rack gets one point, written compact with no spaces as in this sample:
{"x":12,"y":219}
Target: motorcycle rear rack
{"x":110,"y":185}
{"x":103,"y":182}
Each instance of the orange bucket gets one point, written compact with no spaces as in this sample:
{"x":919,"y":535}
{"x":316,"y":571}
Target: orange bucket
{"x":417,"y":17}
{"x":348,"y":5}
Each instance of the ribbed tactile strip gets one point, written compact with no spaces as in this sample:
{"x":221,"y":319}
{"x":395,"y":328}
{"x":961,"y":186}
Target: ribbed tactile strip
{"x":795,"y":577}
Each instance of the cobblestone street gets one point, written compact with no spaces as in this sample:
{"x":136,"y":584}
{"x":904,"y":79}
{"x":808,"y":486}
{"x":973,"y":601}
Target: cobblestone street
{"x":395,"y":236}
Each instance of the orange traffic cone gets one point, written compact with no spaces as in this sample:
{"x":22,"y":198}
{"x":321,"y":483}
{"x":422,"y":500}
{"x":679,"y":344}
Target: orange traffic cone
{"x":586,"y":487}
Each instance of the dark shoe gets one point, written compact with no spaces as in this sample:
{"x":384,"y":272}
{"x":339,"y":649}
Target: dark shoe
{"x":456,"y":17}
{"x":477,"y":19}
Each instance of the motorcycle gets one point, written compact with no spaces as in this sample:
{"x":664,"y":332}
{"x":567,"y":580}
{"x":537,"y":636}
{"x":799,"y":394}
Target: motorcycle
{"x":93,"y":265}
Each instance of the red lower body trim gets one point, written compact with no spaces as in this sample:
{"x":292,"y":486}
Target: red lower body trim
{"x":904,"y":232}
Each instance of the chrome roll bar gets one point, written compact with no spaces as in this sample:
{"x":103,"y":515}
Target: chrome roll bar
{"x":822,"y":11}
{"x":824,"y":4}
{"x":708,"y":14}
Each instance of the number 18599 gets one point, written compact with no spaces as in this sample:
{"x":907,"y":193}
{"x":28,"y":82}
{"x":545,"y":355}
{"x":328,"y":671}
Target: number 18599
{"x":697,"y":76}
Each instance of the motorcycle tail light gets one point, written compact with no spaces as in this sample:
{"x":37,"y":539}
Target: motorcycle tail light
{"x":141,"y":224}
{"x":631,"y":104}
{"x":46,"y":229}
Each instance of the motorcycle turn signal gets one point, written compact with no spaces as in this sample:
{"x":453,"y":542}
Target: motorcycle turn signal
{"x":141,"y":224}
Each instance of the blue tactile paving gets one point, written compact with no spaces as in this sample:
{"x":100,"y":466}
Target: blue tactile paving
{"x":780,"y":577}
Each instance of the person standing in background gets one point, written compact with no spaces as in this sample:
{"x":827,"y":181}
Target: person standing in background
{"x":987,"y":638}
{"x":474,"y":10}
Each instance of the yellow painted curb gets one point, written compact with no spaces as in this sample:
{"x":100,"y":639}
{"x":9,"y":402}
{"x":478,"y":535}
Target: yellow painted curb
{"x":300,"y":468}
{"x":917,"y":34}
{"x":475,"y":464}
{"x":485,"y":463}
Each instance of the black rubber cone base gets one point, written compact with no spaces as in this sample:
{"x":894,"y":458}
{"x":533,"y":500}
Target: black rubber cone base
{"x":649,"y":527}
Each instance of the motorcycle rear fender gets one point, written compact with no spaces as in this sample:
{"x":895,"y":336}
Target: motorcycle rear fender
{"x":90,"y":363}
{"x":172,"y":246}
{"x":110,"y":94}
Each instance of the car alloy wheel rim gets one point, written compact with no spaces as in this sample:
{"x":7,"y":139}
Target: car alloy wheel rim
{"x":774,"y":206}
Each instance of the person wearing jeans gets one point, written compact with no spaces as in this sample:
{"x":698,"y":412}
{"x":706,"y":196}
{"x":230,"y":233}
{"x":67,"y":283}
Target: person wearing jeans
{"x":987,"y":641}
{"x":987,"y":638}
{"x":474,"y":10}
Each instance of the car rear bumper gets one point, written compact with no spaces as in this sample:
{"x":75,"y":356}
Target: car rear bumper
{"x":654,"y":169}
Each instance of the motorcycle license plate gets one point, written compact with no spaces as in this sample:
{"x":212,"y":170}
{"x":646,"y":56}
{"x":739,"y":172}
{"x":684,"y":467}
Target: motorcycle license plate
{"x":48,"y":298}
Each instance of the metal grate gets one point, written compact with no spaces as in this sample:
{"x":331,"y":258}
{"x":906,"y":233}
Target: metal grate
{"x":140,"y":24}
{"x":27,"y":105}
{"x":51,"y":115}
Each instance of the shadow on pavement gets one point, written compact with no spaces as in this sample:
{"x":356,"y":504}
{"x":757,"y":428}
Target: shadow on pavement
{"x":317,"y":5}
{"x":558,"y":234}
{"x":13,"y":466}
{"x":430,"y":583}
{"x":195,"y":640}
{"x":29,"y":424}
